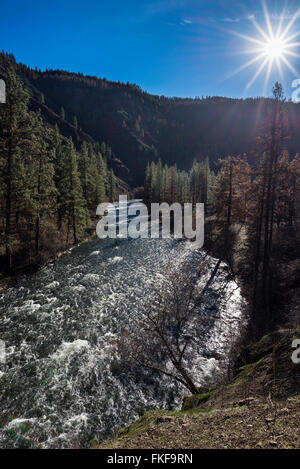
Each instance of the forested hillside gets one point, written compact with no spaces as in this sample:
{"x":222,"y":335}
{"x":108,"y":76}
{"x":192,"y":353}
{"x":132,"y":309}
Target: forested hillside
{"x":257,"y":195}
{"x":141,"y":127}
{"x":49,"y":190}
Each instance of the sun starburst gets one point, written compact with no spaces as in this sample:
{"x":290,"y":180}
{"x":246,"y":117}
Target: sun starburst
{"x":273,"y":47}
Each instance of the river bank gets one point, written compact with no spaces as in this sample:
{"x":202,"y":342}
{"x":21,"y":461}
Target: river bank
{"x":258,"y":409}
{"x":8,"y":281}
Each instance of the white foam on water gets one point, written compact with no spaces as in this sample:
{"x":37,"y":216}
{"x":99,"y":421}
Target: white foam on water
{"x":19,"y":421}
{"x":68,"y":348}
{"x":115,"y":259}
{"x":94,"y":253}
{"x":52,"y":285}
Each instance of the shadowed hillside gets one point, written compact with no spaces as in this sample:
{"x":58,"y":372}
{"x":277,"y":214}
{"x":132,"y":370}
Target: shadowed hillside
{"x":141,"y":127}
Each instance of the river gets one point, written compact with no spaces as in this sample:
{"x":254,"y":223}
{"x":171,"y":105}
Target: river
{"x":62,"y":382}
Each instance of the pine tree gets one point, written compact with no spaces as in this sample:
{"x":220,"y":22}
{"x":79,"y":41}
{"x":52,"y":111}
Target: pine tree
{"x":62,"y":113}
{"x":153,"y":184}
{"x":194,"y":176}
{"x":93,"y":175}
{"x":264,"y":195}
{"x":164,"y":184}
{"x":58,"y":152}
{"x":231,"y":191}
{"x":165,"y":191}
{"x":73,"y":202}
{"x":15,"y":131}
{"x":83,"y":167}
{"x":173,"y":190}
{"x":100,"y":195}
{"x":205,"y":181}
{"x":159,"y":182}
{"x":294,"y":189}
{"x":101,"y":165}
{"x":230,"y":202}
{"x":42,"y":195}
{"x":273,"y":152}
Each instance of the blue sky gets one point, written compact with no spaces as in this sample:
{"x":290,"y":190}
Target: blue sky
{"x":171,"y":47}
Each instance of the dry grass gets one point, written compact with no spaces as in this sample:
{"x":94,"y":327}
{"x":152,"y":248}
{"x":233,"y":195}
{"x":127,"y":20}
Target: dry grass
{"x":248,"y":427}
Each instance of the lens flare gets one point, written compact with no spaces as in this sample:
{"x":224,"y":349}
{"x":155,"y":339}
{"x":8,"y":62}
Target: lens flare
{"x":275,"y":48}
{"x":272,"y":47}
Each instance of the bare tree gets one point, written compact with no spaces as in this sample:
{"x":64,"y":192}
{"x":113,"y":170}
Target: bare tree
{"x":161,"y":340}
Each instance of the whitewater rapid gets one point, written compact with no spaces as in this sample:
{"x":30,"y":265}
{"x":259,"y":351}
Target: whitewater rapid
{"x":63,"y":383}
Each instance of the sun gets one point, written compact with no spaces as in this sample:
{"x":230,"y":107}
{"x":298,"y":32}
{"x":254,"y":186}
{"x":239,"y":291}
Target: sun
{"x":273,"y":47}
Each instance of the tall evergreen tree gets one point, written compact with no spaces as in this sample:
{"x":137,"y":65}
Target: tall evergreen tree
{"x":264,"y":194}
{"x":42,"y":194}
{"x":15,"y":132}
{"x":100,"y":195}
{"x":83,"y":167}
{"x":73,"y":202}
{"x":58,"y":151}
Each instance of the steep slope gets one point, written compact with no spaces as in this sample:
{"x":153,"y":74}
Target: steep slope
{"x":52,"y":118}
{"x":141,"y":127}
{"x":106,"y":112}
{"x":69,"y":130}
